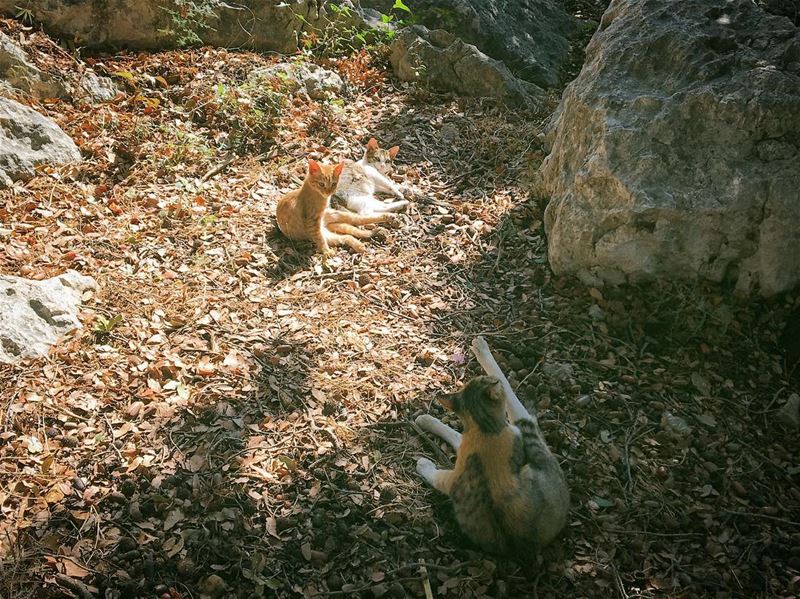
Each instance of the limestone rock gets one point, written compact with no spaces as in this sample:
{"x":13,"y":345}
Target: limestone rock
{"x":531,"y":37}
{"x":145,"y":24}
{"x":316,"y":81}
{"x":28,"y":139}
{"x":20,"y":73}
{"x":675,"y":152}
{"x":98,"y":88}
{"x":34,"y":314}
{"x":443,"y":61}
{"x":789,"y":413}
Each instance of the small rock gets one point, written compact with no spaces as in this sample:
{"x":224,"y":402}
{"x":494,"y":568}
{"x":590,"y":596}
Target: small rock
{"x":29,"y":139}
{"x":185,"y":567}
{"x":316,"y":81}
{"x":212,"y":585}
{"x":135,"y":511}
{"x":583,"y":401}
{"x":596,"y":313}
{"x":789,"y":414}
{"x":99,"y":89}
{"x":37,"y":313}
{"x":675,"y":424}
{"x":558,"y":371}
{"x":449,"y":133}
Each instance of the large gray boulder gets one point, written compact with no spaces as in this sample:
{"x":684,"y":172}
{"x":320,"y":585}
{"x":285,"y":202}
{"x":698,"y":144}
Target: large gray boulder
{"x":531,"y":36}
{"x":20,"y":73}
{"x":150,"y":24}
{"x":442,"y":60}
{"x":28,"y":139}
{"x":34,"y":314}
{"x":675,"y":151}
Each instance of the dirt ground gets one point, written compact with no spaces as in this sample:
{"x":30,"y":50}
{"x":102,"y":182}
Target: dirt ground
{"x":234,"y":418}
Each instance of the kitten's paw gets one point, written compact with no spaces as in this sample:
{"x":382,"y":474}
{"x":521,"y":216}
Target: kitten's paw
{"x":425,"y":468}
{"x":359,"y":247}
{"x":425,"y":421}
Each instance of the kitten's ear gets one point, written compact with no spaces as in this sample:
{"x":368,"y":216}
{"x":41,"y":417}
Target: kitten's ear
{"x":450,"y":401}
{"x":313,"y":167}
{"x":338,"y":170}
{"x":372,"y":144}
{"x":393,"y":151}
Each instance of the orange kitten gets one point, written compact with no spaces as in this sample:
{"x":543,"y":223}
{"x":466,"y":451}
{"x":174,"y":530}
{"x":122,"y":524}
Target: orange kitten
{"x":305,"y":213}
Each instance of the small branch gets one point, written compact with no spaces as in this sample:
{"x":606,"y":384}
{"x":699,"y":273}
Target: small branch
{"x":763,"y":516}
{"x":76,"y":586}
{"x":219,"y":168}
{"x":426,"y":582}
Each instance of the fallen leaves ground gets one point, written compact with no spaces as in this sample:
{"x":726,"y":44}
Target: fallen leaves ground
{"x":243,"y":427}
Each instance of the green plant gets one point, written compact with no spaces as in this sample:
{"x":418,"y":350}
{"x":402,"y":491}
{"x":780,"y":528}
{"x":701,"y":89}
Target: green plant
{"x":242,"y":116}
{"x":188,"y":18}
{"x":24,"y":14}
{"x":105,"y":326}
{"x":341,"y":34}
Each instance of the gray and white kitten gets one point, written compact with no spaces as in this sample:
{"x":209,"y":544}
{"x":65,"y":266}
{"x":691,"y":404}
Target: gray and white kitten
{"x":361,"y":180}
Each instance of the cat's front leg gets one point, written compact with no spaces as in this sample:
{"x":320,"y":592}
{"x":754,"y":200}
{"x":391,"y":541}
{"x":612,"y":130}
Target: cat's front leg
{"x":386,"y":185}
{"x":440,"y":480}
{"x":433,"y":425}
{"x":321,"y":243}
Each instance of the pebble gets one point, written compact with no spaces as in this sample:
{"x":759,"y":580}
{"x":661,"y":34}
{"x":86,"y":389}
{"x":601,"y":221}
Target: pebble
{"x":583,"y":401}
{"x":558,"y":371}
{"x":789,"y":414}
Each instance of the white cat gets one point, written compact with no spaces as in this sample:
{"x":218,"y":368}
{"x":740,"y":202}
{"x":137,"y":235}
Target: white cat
{"x":361,"y":180}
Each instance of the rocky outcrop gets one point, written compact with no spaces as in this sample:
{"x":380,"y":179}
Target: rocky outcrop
{"x":36,"y":313}
{"x":314,"y":80}
{"x":28,"y":139}
{"x":20,"y":73}
{"x":531,"y":38}
{"x":676,"y":151}
{"x":149,"y":24}
{"x":441,"y":60}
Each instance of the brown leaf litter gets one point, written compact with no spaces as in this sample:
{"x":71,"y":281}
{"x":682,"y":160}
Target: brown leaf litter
{"x":244,"y":427}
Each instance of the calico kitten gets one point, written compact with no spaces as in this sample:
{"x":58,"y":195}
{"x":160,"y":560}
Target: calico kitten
{"x":361,"y":180}
{"x":305,"y":213}
{"x":508,"y":490}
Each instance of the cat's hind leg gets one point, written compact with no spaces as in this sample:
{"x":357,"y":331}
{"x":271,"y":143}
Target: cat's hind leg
{"x":346,"y":229}
{"x":364,"y":204}
{"x":392,"y":206}
{"x":350,"y":218}
{"x":433,"y":425}
{"x":348,"y":240}
{"x":441,"y":480}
